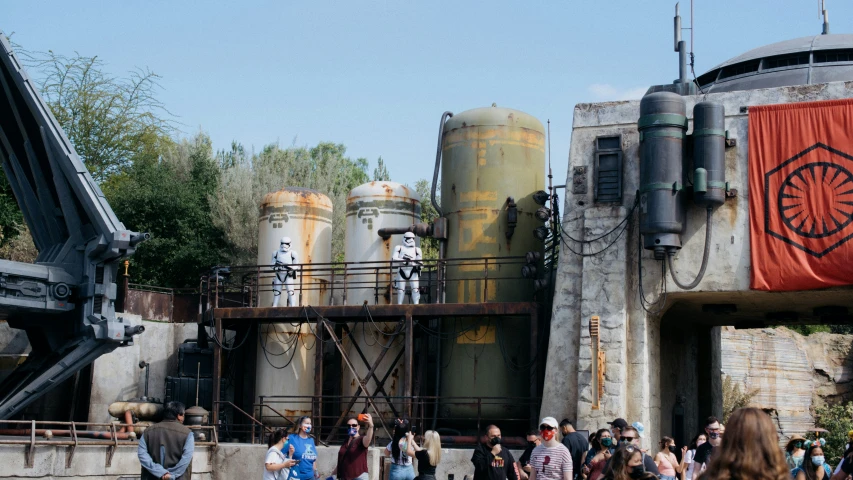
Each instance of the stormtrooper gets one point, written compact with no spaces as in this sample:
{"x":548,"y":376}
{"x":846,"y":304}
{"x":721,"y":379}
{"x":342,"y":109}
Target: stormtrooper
{"x":409,"y":270}
{"x":285,"y":266}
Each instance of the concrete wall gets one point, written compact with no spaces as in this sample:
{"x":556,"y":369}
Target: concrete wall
{"x":117,"y":375}
{"x":230,"y":461}
{"x":607,"y":284}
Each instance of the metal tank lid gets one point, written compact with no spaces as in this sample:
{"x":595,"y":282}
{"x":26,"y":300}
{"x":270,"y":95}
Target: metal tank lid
{"x":298,"y":196}
{"x":796,"y":45}
{"x":494,"y":116}
{"x":383,"y":189}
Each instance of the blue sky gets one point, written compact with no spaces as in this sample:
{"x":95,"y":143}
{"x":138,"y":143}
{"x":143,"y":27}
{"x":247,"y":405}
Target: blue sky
{"x":376,"y":75}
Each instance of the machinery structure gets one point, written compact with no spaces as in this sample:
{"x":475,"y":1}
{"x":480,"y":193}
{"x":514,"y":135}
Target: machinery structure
{"x":65,"y":300}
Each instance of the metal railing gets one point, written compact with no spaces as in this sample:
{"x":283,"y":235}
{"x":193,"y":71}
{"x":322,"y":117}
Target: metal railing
{"x":78,"y":434}
{"x":336,"y":283}
{"x":459,"y":417}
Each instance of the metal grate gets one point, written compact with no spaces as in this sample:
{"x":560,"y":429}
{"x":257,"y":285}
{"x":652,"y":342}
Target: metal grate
{"x":608,"y":169}
{"x":831,"y":56}
{"x":740,"y":69}
{"x":780,"y":61}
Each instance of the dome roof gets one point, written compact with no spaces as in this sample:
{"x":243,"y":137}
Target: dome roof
{"x":801,"y":61}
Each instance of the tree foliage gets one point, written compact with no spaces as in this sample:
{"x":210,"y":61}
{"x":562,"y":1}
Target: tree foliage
{"x":838,"y":419}
{"x":380,"y":173}
{"x":170,"y":197}
{"x":245,"y":179}
{"x":429,"y":246}
{"x":110,"y":120}
{"x":734,"y":398}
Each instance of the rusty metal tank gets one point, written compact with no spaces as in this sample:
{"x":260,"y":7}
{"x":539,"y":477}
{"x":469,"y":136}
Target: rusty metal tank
{"x":370,"y":207}
{"x":285,"y":366}
{"x":492,"y":158}
{"x":490,"y":155}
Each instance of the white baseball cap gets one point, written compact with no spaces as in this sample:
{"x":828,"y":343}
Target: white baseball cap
{"x":550,"y":421}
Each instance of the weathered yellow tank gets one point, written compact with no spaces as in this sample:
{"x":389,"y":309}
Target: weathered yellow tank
{"x":490,"y":155}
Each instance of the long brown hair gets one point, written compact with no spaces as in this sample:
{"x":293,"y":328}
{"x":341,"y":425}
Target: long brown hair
{"x":809,"y":468}
{"x":617,"y":466}
{"x":750,"y":450}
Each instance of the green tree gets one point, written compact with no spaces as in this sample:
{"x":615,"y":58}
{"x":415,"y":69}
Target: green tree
{"x":170,"y":197}
{"x":838,"y":419}
{"x":380,"y":173}
{"x":110,"y":120}
{"x":429,"y":246}
{"x":734,"y":398}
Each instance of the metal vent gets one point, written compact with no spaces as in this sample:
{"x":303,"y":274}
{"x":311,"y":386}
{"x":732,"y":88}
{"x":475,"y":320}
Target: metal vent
{"x":740,"y":69}
{"x":832,"y":56}
{"x":608,"y":169}
{"x":780,"y":61}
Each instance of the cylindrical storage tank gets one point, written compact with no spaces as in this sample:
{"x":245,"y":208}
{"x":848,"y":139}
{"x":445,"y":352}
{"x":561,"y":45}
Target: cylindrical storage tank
{"x":489,"y":154}
{"x":285,"y":366}
{"x":370,"y":207}
{"x":662,"y":125}
{"x":709,"y":154}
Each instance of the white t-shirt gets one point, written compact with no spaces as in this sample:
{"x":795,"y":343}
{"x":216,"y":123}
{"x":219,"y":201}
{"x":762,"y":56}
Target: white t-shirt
{"x":551,"y":463}
{"x":404,"y":459}
{"x":688,"y":460}
{"x":274,"y":455}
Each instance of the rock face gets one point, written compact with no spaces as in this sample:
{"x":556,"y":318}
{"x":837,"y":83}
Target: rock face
{"x":792,"y":373}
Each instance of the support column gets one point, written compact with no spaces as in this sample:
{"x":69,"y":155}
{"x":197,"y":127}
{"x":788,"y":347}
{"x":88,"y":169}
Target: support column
{"x":217,"y":371}
{"x":534,"y":366}
{"x":408,"y":363}
{"x":316,"y":402}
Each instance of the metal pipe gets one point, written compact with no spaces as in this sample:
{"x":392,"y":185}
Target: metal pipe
{"x":705,"y":255}
{"x":444,"y":117}
{"x":682,"y":62}
{"x":67,"y":433}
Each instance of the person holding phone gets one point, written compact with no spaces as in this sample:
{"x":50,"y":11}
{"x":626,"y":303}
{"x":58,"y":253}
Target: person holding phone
{"x":277,"y":463}
{"x":352,"y":457}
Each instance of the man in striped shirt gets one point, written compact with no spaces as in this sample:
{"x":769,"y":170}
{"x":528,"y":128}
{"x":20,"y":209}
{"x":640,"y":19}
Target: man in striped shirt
{"x":551,"y":460}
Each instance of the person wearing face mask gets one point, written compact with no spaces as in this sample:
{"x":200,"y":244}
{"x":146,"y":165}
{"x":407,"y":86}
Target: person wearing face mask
{"x":550,"y":460}
{"x":703,"y":452}
{"x":631,"y":436}
{"x":277,"y":464}
{"x":794,"y":451}
{"x":668,"y":465}
{"x":596,"y":459}
{"x":352,"y":456}
{"x":697,"y":441}
{"x":304,"y":451}
{"x":814,"y":465}
{"x":524,"y":462}
{"x":627,"y":464}
{"x":749,"y":450}
{"x":492,"y":461}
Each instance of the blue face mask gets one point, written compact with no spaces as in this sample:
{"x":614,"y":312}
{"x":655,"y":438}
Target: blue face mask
{"x":307,"y":428}
{"x":352,"y":431}
{"x":285,"y":447}
{"x":818,"y":460}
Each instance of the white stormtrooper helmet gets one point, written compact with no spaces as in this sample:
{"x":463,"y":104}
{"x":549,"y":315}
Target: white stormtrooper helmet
{"x":409,"y":239}
{"x":285,"y":244}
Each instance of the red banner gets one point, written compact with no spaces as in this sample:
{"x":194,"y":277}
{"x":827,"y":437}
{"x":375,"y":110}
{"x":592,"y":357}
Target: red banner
{"x":801,"y":195}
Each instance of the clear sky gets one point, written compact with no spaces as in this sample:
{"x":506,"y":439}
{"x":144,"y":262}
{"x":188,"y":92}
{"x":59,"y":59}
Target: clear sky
{"x":376,"y":75}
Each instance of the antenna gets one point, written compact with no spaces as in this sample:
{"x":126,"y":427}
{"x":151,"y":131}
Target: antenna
{"x":822,"y":7}
{"x":680,"y":46}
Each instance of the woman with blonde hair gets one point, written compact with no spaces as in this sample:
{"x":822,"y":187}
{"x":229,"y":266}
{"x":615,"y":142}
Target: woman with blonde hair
{"x":428,"y":456}
{"x":749,"y":450}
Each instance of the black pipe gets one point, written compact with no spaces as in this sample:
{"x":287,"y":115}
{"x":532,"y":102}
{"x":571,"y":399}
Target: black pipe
{"x":705,"y":255}
{"x":444,"y":117}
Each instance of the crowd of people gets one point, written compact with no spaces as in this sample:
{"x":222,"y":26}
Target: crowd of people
{"x":747,"y":448}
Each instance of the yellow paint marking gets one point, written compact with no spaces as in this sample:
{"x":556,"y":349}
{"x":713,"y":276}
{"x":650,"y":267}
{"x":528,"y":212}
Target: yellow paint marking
{"x":475,"y":196}
{"x":484,"y":334}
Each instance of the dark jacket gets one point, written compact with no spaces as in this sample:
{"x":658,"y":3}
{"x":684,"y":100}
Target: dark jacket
{"x":491,"y":467}
{"x":165,"y":443}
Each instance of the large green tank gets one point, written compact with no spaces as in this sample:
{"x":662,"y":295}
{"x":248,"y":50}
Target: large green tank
{"x":488,"y":155}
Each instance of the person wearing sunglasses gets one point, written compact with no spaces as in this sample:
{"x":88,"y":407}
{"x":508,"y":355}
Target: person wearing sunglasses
{"x":551,"y":460}
{"x":703,"y":452}
{"x":631,"y":437}
{"x":492,"y":461}
{"x":352,"y":457}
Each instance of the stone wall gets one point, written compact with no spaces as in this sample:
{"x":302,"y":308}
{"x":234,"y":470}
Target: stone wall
{"x":791,"y":373}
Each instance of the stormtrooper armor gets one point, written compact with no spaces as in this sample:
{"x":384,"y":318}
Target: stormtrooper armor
{"x":284,"y":262}
{"x":409,"y":264}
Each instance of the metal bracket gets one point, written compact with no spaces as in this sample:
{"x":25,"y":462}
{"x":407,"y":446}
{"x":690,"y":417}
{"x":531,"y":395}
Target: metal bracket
{"x":111,"y":450}
{"x":31,"y":448}
{"x":511,"y":216}
{"x":69,"y":452}
{"x":730,"y":192}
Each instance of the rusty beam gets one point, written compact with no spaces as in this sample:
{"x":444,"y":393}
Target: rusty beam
{"x":317,"y":404}
{"x":355,"y":313}
{"x":408,"y":363}
{"x":534,"y":367}
{"x":380,"y":385}
{"x":217,"y":370}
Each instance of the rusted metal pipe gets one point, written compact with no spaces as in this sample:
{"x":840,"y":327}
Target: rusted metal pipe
{"x":67,"y":433}
{"x":419,"y":229}
{"x":128,"y":417}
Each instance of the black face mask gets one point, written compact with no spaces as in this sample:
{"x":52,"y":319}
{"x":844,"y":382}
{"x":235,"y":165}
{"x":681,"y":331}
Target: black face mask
{"x":495,"y":441}
{"x":637,"y":472}
{"x":672,"y":448}
{"x":531,"y":444}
